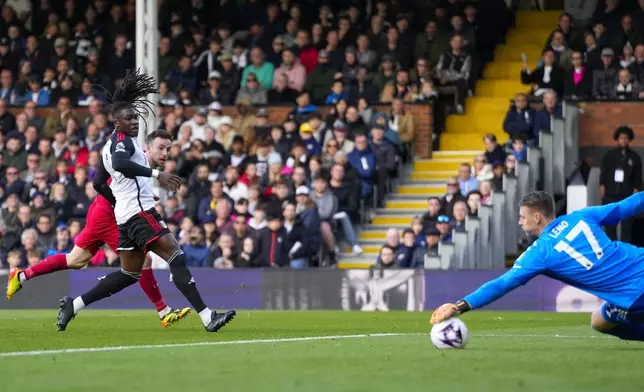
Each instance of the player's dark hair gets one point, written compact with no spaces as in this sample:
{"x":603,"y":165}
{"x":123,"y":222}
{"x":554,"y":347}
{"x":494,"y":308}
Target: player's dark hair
{"x":540,"y":201}
{"x":159,"y":133}
{"x":624,"y":130}
{"x":131,"y":93}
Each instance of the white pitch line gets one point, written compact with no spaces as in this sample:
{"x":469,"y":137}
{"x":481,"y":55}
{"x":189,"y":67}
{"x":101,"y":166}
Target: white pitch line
{"x":283,"y":340}
{"x":198,"y":344}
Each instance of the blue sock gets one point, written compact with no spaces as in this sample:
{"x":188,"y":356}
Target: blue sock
{"x":627,"y":331}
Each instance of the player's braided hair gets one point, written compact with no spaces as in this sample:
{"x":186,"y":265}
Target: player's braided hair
{"x":132,"y":93}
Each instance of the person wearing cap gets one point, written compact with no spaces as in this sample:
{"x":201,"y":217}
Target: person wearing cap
{"x":225,"y":133}
{"x":605,"y":77}
{"x":197,"y":123}
{"x":444,"y":227}
{"x":547,"y":75}
{"x":63,"y":243}
{"x":281,"y":93}
{"x":293,"y":69}
{"x":319,"y":80}
{"x":339,"y":135}
{"x":272,"y":244}
{"x":40,"y":206}
{"x":215,"y":114}
{"x":210,"y":93}
{"x":75,"y":154}
{"x":297,"y":238}
{"x":313,"y":148}
{"x":429,"y":248}
{"x":307,"y":210}
{"x":230,"y":79}
{"x":621,"y":176}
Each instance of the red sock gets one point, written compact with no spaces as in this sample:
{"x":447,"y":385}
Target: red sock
{"x":50,"y":264}
{"x":149,"y":285}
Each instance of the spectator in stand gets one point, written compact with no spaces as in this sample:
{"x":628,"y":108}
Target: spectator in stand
{"x":363,"y":88}
{"x":605,"y":78}
{"x":264,"y":71}
{"x":308,"y":213}
{"x":195,"y":249}
{"x":293,"y":69}
{"x":304,"y":108}
{"x":313,"y":148}
{"x":386,"y":162}
{"x":319,"y":80}
{"x":543,"y":118}
{"x":36,"y":94}
{"x":363,"y":160}
{"x":400,"y":88}
{"x":474,"y":203}
{"x":429,"y":45}
{"x":281,"y":92}
{"x":430,"y":217}
{"x":296,"y":237}
{"x":337,"y":93}
{"x":637,"y":66}
{"x":621,"y":176}
{"x":560,"y":50}
{"x":460,"y":213}
{"x":547,"y":76}
{"x":63,"y":244}
{"x":494,"y":152}
{"x":519,"y":149}
{"x":519,"y":120}
{"x":569,"y":31}
{"x":429,"y":248}
{"x":452,"y":195}
{"x":466,"y":182}
{"x":578,"y":80}
{"x":305,"y":51}
{"x":454,"y":68}
{"x":626,"y":87}
{"x":627,"y":57}
{"x":230,"y":79}
{"x":443,"y":226}
{"x":386,"y":257}
{"x":252,"y":91}
{"x":626,"y":33}
{"x":15,"y":155}
{"x":404,"y":256}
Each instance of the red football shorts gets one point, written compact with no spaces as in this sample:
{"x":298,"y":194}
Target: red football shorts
{"x":100,"y":228}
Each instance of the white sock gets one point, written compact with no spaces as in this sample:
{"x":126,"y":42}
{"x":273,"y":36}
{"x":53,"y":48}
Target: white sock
{"x":22,"y":277}
{"x":206,"y":316}
{"x":165,"y":311}
{"x":78,"y":304}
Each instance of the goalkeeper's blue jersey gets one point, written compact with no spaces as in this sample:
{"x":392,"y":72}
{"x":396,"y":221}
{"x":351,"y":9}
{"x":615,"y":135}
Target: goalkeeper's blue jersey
{"x":574,"y":249}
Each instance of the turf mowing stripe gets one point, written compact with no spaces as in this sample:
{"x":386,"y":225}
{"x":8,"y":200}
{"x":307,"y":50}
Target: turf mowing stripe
{"x":220,"y":343}
{"x":555,"y":336}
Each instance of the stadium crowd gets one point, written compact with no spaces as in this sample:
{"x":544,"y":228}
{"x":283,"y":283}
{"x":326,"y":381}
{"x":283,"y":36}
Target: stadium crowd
{"x":251,"y":185}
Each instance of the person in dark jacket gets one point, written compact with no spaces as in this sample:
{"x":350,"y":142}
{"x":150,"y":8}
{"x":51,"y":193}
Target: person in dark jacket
{"x":347,"y":193}
{"x":548,"y":76}
{"x":493,"y":150}
{"x":605,"y":78}
{"x":385,"y":159}
{"x":451,"y":197}
{"x":430,"y":217}
{"x":432,"y":238}
{"x":308,"y":212}
{"x":296,"y":238}
{"x":363,"y":88}
{"x":405,"y":254}
{"x":543,"y":118}
{"x":578,"y":81}
{"x":272,"y":245}
{"x":363,"y":160}
{"x":519,"y":119}
{"x":621,"y":176}
{"x":319,"y":80}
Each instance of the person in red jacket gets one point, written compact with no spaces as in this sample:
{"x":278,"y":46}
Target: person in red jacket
{"x":75,"y":154}
{"x":306,"y":52}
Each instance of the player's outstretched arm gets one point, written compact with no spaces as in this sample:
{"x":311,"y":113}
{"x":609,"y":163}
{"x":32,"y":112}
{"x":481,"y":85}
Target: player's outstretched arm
{"x":100,"y":183}
{"x":612,"y":214}
{"x":527,"y":266}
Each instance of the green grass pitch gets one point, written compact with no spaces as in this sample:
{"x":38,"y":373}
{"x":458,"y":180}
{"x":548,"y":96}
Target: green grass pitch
{"x":507,"y":352}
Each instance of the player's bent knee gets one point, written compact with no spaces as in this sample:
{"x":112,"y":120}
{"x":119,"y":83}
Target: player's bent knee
{"x":599,"y":323}
{"x":78,"y":258}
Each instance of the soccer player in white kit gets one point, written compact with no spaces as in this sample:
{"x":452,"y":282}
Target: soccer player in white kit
{"x":141,"y":228}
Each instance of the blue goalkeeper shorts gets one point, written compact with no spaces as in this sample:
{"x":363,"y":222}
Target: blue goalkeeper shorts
{"x":633,"y":315}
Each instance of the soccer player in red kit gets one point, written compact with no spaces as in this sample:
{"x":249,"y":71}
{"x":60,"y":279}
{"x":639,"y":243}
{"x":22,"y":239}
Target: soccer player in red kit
{"x":100,"y":228}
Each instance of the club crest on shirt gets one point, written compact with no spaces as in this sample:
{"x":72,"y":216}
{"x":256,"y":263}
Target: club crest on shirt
{"x":120,"y":147}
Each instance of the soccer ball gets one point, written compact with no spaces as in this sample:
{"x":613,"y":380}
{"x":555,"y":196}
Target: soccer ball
{"x":450,"y":333}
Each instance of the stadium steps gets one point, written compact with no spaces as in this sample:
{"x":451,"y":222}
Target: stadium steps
{"x":462,"y":139}
{"x":427,"y":178}
{"x":484,"y":113}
